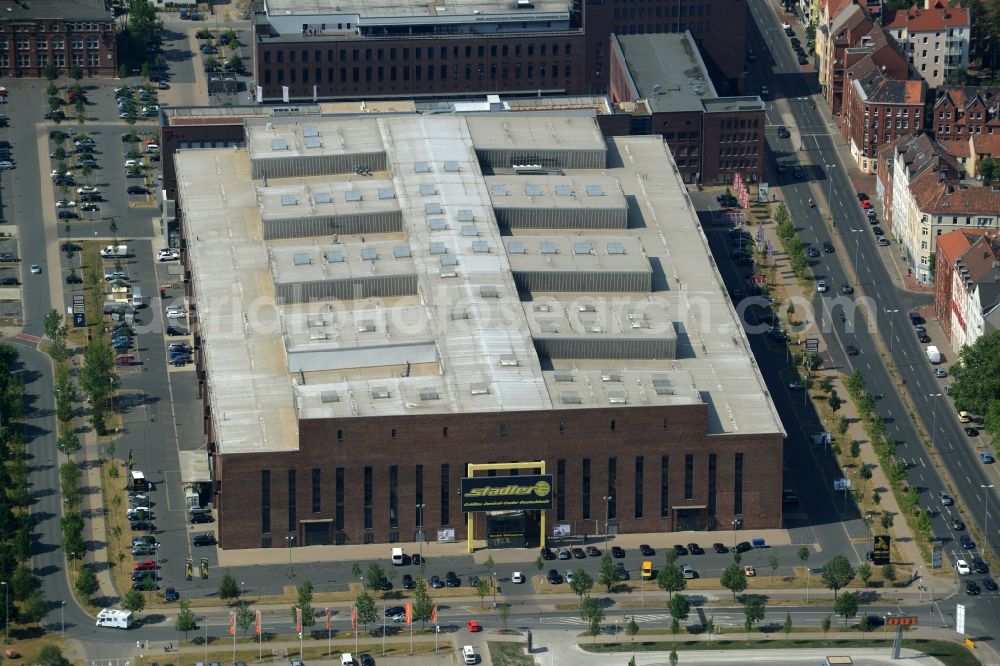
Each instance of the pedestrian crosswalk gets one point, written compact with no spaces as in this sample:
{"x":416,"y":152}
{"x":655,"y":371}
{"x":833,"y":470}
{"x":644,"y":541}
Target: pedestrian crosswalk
{"x":640,"y":619}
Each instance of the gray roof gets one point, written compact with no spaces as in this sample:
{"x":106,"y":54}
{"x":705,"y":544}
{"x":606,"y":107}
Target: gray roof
{"x":66,"y":10}
{"x":667,"y":70}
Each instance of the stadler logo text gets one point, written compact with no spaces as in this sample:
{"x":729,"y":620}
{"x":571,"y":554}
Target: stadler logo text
{"x":541,"y":489}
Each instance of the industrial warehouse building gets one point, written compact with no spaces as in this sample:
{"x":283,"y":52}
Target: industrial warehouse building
{"x":384,"y":303}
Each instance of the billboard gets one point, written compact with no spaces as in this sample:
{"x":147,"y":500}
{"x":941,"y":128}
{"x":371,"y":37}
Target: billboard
{"x":880,"y":556}
{"x":506,"y":493}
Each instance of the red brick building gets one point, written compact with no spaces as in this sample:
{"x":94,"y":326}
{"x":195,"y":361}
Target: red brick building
{"x":58,"y":32}
{"x":710,"y":137}
{"x":962,"y":112}
{"x":340,"y":51}
{"x":878,"y":109}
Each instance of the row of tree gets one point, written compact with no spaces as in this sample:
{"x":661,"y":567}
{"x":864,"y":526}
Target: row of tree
{"x":794,"y":248}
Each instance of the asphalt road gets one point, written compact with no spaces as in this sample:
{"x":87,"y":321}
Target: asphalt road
{"x":889,"y":303}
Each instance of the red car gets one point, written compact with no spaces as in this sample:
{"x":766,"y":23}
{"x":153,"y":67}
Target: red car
{"x":866,"y":204}
{"x":145,"y":565}
{"x":473,"y":626}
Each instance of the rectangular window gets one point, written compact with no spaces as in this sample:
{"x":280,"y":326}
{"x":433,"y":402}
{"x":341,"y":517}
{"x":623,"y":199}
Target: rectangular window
{"x":338,"y":496}
{"x":688,"y":477}
{"x":638,"y":486}
{"x":712,"y":465}
{"x":418,"y":486}
{"x":585,"y":490}
{"x":664,"y":487}
{"x":393,"y":496}
{"x":445,"y":495}
{"x":612,"y":486}
{"x":561,"y":489}
{"x":265,"y":501}
{"x":292,"y":522}
{"x":317,"y":490}
{"x":738,"y":485}
{"x":368,"y":495}
{"x":503,"y":429}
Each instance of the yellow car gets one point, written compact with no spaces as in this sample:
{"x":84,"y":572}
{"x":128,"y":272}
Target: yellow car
{"x":647,"y":570}
{"x":963,"y":417}
{"x":748,"y":571}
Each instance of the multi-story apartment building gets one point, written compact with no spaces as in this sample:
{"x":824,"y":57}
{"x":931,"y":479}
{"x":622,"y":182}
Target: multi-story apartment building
{"x":967,"y":285}
{"x":841,"y":32}
{"x":878,"y":109}
{"x":934,"y":37}
{"x":899,"y":163}
{"x":964,"y":111}
{"x":62,"y":33}
{"x":349,"y":49}
{"x":710,"y":137}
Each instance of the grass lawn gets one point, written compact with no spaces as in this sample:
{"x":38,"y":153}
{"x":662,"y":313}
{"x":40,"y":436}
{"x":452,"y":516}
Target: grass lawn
{"x":222,"y":652}
{"x":951,"y":654}
{"x":508,"y":654}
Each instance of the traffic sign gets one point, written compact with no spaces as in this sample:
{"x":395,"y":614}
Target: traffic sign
{"x":812,"y":345}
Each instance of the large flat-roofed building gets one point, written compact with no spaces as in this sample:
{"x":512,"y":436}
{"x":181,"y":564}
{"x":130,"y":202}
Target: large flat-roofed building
{"x":382,"y":301}
{"x":357,"y":49}
{"x":710,"y":137}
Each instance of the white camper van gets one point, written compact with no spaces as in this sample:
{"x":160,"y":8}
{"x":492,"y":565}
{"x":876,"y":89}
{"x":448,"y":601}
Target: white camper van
{"x":112,"y":617}
{"x":397,"y":557}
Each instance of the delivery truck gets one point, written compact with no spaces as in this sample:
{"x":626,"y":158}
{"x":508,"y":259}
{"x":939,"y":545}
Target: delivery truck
{"x":114,"y":251}
{"x":933,"y":355}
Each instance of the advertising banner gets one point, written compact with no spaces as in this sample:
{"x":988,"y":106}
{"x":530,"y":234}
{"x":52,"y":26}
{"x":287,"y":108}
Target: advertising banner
{"x":506,"y":493}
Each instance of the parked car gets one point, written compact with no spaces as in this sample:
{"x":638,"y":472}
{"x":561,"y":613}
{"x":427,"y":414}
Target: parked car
{"x":554,"y":577}
{"x":436,"y":582}
{"x":200,"y":518}
{"x":170,"y":594}
{"x":646,"y":550}
{"x":203,"y":540}
{"x":617,"y":552}
{"x":408,"y":583}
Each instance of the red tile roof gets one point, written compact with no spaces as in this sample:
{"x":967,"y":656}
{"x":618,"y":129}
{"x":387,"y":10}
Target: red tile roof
{"x":917,"y":19}
{"x":956,"y":147}
{"x":986,"y":144}
{"x":954,"y":244}
{"x":937,"y":197}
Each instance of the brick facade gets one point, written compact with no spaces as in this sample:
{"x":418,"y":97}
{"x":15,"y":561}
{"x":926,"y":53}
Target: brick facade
{"x":574,"y":61}
{"x":81,"y":35}
{"x":570,"y":436}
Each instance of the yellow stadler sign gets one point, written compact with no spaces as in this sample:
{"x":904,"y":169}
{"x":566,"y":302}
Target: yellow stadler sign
{"x":497,"y":493}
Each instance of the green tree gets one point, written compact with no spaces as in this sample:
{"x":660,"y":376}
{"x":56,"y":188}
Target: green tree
{"x":855,"y":448}
{"x":591,"y":612}
{"x":304,"y":602}
{"x":51,"y":655}
{"x":423,"y":605}
{"x":843,"y":425}
{"x":375,"y":576}
{"x":865,"y":573}
{"x":484,"y":586}
{"x":889,"y":573}
{"x":824,"y":624}
{"x":855,"y":383}
{"x":788,"y":624}
{"x":976,"y":377}
{"x":228,"y":589}
{"x":863,"y":624}
{"x":679,"y":607}
{"x":671,"y":579}
{"x":803,"y":554}
{"x":866,"y":402}
{"x":733,"y":579}
{"x":582,"y":583}
{"x":607,"y":575}
{"x":753,"y":611}
{"x":504,"y":613}
{"x":673,"y":656}
{"x":69,"y":482}
{"x":72,"y":533}
{"x":34,"y":608}
{"x":632,"y":628}
{"x":846,"y":606}
{"x":186,"y":620}
{"x":134,"y":601}
{"x":365,"y":604}
{"x":244,"y":617}
{"x":837,"y":573}
{"x":68,"y":441}
{"x":355,"y":570}
{"x":775,"y":564}
{"x":75,"y":72}
{"x":86,"y":583}
{"x":834,"y":402}
{"x":23,"y":582}
{"x":539,"y":564}
{"x":51,"y":73}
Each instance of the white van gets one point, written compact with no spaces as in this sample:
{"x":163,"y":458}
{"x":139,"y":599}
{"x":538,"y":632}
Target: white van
{"x":346,"y":659}
{"x":137,"y":297}
{"x":112,"y":617}
{"x":397,"y":557}
{"x":469,"y":655}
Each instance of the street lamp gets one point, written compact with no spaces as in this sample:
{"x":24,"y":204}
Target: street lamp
{"x":857,"y":251}
{"x":6,"y":609}
{"x":736,"y":523}
{"x":495,"y":587}
{"x":420,"y":530}
{"x":242,"y":583}
{"x":62,"y":616}
{"x":607,"y":512}
{"x":933,"y":417}
{"x":986,"y":509}
{"x":891,"y":321}
{"x":829,"y":187}
{"x":290,"y":540}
